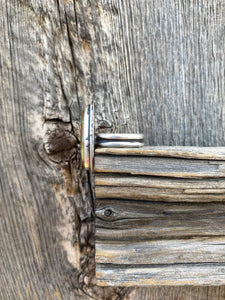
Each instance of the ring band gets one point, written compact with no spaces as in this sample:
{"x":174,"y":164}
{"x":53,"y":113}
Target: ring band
{"x":120,"y":136}
{"x":107,"y":140}
{"x":119,"y":144}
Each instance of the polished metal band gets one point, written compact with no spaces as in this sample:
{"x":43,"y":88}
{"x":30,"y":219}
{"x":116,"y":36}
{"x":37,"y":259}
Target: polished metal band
{"x":120,"y":136}
{"x":119,"y":144}
{"x":87,"y":138}
{"x":107,"y":140}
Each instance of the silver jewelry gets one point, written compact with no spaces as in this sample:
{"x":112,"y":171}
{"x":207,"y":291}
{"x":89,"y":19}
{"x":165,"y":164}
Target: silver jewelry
{"x":107,"y":140}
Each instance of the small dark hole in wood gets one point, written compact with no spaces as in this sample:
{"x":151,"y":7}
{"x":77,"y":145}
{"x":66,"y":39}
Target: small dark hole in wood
{"x":108,"y":212}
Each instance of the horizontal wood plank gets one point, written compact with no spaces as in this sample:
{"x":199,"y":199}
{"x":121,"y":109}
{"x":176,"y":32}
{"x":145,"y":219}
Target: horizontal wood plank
{"x":160,"y":166}
{"x":160,"y":216}
{"x":159,"y":194}
{"x":195,"y":250}
{"x":183,"y":274}
{"x":208,"y":153}
{"x":105,"y":179}
{"x":122,"y":220}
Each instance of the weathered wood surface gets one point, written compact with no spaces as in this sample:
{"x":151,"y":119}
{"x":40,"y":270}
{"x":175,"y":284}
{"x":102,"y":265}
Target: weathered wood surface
{"x":46,"y":224}
{"x":160,"y":216}
{"x":194,"y":250}
{"x":209,"y":153}
{"x":156,"y":69}
{"x":152,"y":194}
{"x":159,"y":166}
{"x":137,"y":220}
{"x":161,"y":275}
{"x":177,"y":293}
{"x":126,"y":180}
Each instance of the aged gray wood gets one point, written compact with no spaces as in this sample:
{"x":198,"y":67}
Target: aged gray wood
{"x":160,"y":166}
{"x":46,"y":224}
{"x":180,"y":292}
{"x":210,"y":153}
{"x":194,"y":250}
{"x":116,"y":180}
{"x":158,"y":209}
{"x":162,"y":71}
{"x":122,"y":220}
{"x":189,"y":274}
{"x":156,"y":69}
{"x":160,"y":194}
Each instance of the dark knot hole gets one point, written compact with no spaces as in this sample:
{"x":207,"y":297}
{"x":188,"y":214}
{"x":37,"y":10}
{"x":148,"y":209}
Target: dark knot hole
{"x":108,"y":212}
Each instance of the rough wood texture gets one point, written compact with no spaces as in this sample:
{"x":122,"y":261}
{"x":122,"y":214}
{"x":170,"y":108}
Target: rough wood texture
{"x":137,"y":220}
{"x":157,"y":69}
{"x":116,"y":180}
{"x":195,"y":250}
{"x":177,"y":293}
{"x":160,"y":216}
{"x":161,"y":275}
{"x":47,"y":224}
{"x":160,"y":166}
{"x":210,"y":153}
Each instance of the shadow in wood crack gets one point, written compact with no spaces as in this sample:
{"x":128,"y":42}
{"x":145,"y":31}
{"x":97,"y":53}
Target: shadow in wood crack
{"x":87,"y":279}
{"x":74,"y":200}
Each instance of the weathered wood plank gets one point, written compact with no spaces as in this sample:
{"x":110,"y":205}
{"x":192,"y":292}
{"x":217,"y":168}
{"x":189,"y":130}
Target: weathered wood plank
{"x":178,"y":292}
{"x":122,"y":220}
{"x":46,"y":214}
{"x":123,"y":180}
{"x":157,"y":69}
{"x":159,"y":166}
{"x":181,"y":274}
{"x":157,"y":194}
{"x":209,"y":153}
{"x":134,"y":228}
{"x":194,"y":250}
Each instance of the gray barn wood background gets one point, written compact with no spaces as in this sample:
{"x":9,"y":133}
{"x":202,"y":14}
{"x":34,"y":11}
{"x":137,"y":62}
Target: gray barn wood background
{"x":156,"y":67}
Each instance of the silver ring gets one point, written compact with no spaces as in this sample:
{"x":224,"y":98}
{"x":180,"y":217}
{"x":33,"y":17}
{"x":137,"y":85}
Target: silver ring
{"x":108,"y":140}
{"x":88,"y":138}
{"x":85,"y":139}
{"x":92,"y":137}
{"x":119,"y":144}
{"x":120,"y":136}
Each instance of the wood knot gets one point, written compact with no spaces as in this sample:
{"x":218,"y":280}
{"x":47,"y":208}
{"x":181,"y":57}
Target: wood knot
{"x":61,"y":145}
{"x":106,"y":213}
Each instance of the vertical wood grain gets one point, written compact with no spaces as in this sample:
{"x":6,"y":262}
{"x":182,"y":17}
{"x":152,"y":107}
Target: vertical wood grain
{"x":153,"y":68}
{"x":163,"y":71}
